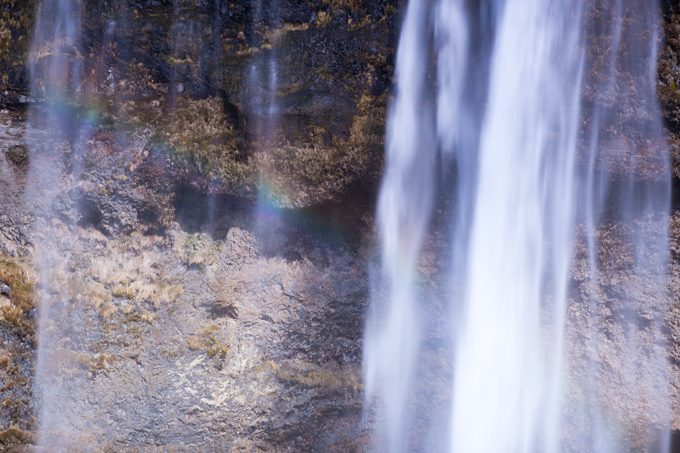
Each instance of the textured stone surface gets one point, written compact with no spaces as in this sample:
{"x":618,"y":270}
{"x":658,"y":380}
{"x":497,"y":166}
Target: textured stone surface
{"x":194,"y":76}
{"x":186,"y":315}
{"x":206,"y":343}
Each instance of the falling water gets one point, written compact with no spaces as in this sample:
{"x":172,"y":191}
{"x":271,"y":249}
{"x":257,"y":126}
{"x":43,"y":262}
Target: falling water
{"x":537,"y":174}
{"x":56,"y":67}
{"x":393,"y":340}
{"x":520,"y":237}
{"x":260,"y":94}
{"x":263,"y":109}
{"x":72,"y":84}
{"x":263,"y":71}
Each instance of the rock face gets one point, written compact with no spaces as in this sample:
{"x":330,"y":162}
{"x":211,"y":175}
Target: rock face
{"x":198,"y":318}
{"x":617,"y":321}
{"x":207,"y":345}
{"x":172,"y":318}
{"x":197,"y":77}
{"x":16,"y":18}
{"x":669,"y":77}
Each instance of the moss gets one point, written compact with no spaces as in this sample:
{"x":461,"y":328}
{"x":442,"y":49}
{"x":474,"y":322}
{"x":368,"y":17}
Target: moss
{"x":129,"y":270}
{"x":178,"y":61}
{"x":18,"y":155}
{"x":247,"y":52}
{"x":206,"y":340}
{"x":140,"y":316}
{"x":206,"y":142}
{"x":118,"y":280}
{"x":195,"y":249}
{"x":93,"y":362}
{"x":13,"y":435}
{"x":364,"y":22}
{"x":290,"y":27}
{"x":122,"y":292}
{"x":311,"y":375}
{"x":323,"y":18}
{"x":350,"y":5}
{"x":15,"y":24}
{"x":14,"y":369}
{"x":22,"y":296}
{"x":306,"y":173}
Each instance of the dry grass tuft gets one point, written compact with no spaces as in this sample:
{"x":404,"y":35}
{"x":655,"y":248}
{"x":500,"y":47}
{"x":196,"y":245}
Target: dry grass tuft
{"x":22,"y":296}
{"x":207,"y":341}
{"x":12,"y":436}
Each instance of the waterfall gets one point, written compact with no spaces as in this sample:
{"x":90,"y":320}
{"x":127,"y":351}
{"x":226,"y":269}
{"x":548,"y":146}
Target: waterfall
{"x":520,"y":239}
{"x":56,"y":70}
{"x":394,"y":332}
{"x":541,"y":166}
{"x":263,"y":108}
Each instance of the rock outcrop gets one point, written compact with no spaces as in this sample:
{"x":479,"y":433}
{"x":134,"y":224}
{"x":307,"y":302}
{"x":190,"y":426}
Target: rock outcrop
{"x":195,"y":76}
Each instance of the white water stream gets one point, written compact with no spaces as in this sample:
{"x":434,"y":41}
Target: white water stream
{"x":543,"y":167}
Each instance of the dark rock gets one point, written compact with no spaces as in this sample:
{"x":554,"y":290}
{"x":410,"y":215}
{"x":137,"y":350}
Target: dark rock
{"x":16,"y":17}
{"x":15,"y":216}
{"x":170,"y":60}
{"x":18,"y":155}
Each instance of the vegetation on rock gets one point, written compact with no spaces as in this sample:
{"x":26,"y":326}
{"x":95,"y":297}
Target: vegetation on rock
{"x":18,"y":311}
{"x":15,"y":24}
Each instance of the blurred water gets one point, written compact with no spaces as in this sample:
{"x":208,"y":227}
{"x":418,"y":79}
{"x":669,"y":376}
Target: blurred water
{"x":536,"y":158}
{"x":394,"y":332}
{"x":56,"y":71}
{"x":263,"y":109}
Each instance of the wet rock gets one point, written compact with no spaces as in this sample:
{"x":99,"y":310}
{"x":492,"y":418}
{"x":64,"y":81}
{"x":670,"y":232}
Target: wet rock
{"x":616,"y":323}
{"x":17,"y":305}
{"x":17,"y":154}
{"x":112,"y":193}
{"x":279,"y":367}
{"x":150,"y":59}
{"x":669,"y":71}
{"x":669,"y":81}
{"x":15,"y":215}
{"x":16,"y":18}
{"x":183,"y":72}
{"x":626,"y":111}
